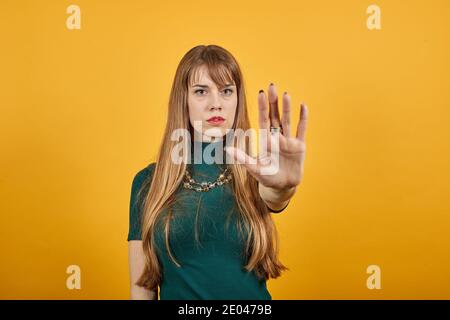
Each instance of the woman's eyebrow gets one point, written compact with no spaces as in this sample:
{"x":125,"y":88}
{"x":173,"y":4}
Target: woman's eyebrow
{"x":205,"y":86}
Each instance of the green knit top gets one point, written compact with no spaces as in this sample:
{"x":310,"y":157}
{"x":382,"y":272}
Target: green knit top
{"x":204,"y":236}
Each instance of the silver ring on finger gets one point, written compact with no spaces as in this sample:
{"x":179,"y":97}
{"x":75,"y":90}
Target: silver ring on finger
{"x":276,"y":129}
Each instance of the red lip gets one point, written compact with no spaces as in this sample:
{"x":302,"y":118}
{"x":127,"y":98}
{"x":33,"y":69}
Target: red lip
{"x":215,"y":120}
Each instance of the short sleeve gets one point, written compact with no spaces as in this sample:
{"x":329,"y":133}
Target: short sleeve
{"x":139,"y":189}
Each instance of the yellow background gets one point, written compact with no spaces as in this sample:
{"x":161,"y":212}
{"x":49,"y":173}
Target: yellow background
{"x":83,"y":110}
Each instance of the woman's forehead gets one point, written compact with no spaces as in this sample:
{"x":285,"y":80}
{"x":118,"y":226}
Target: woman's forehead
{"x":201,"y":75}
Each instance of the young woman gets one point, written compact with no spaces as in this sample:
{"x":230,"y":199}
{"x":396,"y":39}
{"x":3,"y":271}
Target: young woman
{"x":203,"y":229}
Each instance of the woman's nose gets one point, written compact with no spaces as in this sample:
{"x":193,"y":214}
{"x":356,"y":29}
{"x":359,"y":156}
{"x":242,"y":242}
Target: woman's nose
{"x":216,"y":107}
{"x":215,"y":101}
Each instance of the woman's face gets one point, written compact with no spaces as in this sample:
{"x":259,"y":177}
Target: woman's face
{"x":206,"y":101}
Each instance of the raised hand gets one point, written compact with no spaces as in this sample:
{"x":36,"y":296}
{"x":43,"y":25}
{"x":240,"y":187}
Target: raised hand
{"x":286,"y":160}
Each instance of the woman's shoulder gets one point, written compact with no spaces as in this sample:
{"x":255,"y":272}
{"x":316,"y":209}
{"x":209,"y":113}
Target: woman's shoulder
{"x":140,"y":185}
{"x":144,"y":174}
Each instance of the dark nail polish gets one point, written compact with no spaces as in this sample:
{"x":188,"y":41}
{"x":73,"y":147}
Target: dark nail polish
{"x":271,"y":84}
{"x":285,"y":92}
{"x":261,"y":91}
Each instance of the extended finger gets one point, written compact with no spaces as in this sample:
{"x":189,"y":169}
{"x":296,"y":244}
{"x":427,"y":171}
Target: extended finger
{"x":250,"y":163}
{"x":286,"y":118}
{"x":264,"y":120}
{"x":273,"y":103}
{"x":302,"y":123}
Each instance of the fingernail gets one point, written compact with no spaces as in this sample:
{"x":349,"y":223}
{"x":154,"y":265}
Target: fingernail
{"x":261,"y":90}
{"x":285,"y":92}
{"x":271,"y":84}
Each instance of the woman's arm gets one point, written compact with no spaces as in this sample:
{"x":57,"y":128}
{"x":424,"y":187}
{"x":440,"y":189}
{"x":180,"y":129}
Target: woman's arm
{"x":136,"y":260}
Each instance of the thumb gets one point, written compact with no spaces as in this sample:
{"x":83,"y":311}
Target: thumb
{"x":250,"y":163}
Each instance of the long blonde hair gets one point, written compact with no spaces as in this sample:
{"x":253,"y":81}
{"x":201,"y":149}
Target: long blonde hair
{"x":262,"y":242}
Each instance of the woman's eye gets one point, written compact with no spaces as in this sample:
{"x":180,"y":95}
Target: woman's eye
{"x":201,"y":91}
{"x":198,"y":90}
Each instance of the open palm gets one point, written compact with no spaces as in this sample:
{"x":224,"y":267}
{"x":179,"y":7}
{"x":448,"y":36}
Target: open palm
{"x":282,"y":166}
